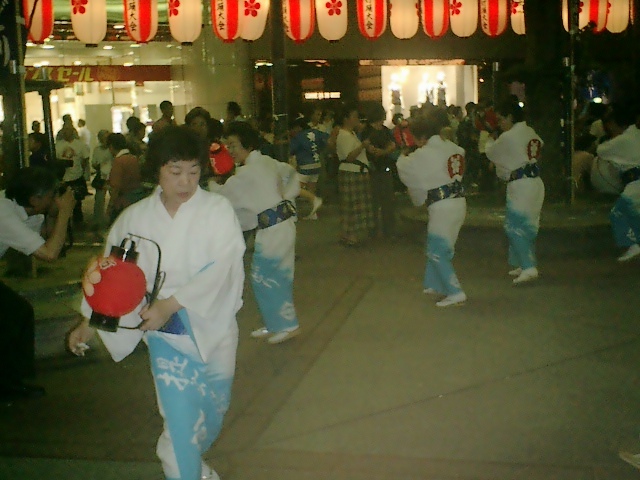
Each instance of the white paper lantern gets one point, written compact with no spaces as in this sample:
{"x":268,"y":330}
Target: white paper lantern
{"x":463,"y":17}
{"x":253,"y":18}
{"x":89,"y":20}
{"x":404,"y":18}
{"x":225,"y":19}
{"x":493,"y":16}
{"x":185,"y":20}
{"x":331,"y":16}
{"x":372,"y":18}
{"x":141,"y":19}
{"x":435,"y":17}
{"x":41,"y":25}
{"x":517,"y":17}
{"x":583,"y":14}
{"x":299,"y":19}
{"x":618,"y":19}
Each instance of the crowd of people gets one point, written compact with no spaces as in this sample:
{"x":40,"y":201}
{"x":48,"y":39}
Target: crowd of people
{"x":195,"y":190}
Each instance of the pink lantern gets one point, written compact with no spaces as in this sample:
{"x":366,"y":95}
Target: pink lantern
{"x":185,"y":20}
{"x":89,"y":20}
{"x":225,"y":19}
{"x":299,"y":19}
{"x":141,"y":19}
{"x":463,"y":15}
{"x":332,"y":18}
{"x":493,"y":16}
{"x":404,"y":18}
{"x":372,"y":18}
{"x":253,"y":18}
{"x":618,"y":18}
{"x":517,"y":17}
{"x":41,"y":25}
{"x":435,"y":17}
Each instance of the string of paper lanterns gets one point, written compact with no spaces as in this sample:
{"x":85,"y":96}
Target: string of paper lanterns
{"x":246,"y":19}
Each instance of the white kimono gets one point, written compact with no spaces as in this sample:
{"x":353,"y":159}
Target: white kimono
{"x":514,"y":149}
{"x":623,"y":152}
{"x":261,"y":184}
{"x":438,"y":163}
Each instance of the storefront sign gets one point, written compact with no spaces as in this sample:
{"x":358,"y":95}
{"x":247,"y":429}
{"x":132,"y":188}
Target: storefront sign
{"x":93,"y":73}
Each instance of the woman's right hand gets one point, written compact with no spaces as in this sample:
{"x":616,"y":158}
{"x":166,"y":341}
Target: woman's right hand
{"x":79,"y":336}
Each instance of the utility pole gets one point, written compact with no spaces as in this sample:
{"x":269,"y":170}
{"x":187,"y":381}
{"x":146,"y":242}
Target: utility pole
{"x":569,"y":64}
{"x":279,"y":76}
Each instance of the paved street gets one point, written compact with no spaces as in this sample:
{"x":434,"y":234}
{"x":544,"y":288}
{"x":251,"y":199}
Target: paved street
{"x":532,"y":382}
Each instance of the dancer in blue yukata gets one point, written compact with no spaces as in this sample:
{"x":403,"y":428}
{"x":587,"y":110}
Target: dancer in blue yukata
{"x":191,"y":328}
{"x":515,"y":153}
{"x":262,"y":192}
{"x":433,"y":175}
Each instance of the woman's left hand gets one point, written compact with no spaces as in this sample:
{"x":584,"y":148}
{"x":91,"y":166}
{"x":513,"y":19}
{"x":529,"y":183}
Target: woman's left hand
{"x":154,"y":316}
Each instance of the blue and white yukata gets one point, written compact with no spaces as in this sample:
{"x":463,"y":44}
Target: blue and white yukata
{"x":307,"y":146}
{"x":515,"y":154}
{"x":193,"y":366}
{"x":623,"y":152}
{"x":259,"y":188}
{"x":432,"y":172}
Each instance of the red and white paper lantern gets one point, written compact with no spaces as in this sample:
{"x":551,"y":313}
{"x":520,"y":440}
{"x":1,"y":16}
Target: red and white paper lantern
{"x":372,"y":18}
{"x":583,"y":14}
{"x":404,"y":18}
{"x":598,"y":13}
{"x":618,"y":19}
{"x":435,"y":17}
{"x":89,"y":20}
{"x":225,"y":19}
{"x":493,"y":16}
{"x":141,"y":19}
{"x":40,"y":25}
{"x":185,"y":20}
{"x":517,"y":17}
{"x":299,"y":19}
{"x":463,"y":16}
{"x":332,"y":18}
{"x":253,"y":19}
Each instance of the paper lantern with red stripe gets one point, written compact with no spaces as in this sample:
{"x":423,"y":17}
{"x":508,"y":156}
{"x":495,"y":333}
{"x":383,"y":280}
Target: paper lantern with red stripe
{"x":299,"y":19}
{"x":39,"y":22}
{"x":225,"y":19}
{"x":493,"y":16}
{"x":253,"y":19}
{"x":618,"y":19}
{"x":372,"y":18}
{"x":331,"y":16}
{"x":598,"y":13}
{"x":185,"y":20}
{"x":517,"y":17}
{"x":89,"y":20}
{"x":404,"y":18}
{"x":435,"y":17}
{"x":463,"y":17}
{"x":141,"y":19}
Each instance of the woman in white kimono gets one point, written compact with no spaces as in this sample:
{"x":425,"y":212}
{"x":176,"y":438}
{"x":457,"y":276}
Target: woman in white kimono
{"x":515,"y":154}
{"x":191,"y":328}
{"x":262,"y":192}
{"x":433,"y":175}
{"x":623,"y":152}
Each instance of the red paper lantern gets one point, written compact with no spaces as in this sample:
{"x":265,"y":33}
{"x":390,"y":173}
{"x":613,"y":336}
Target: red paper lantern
{"x":299,"y":19}
{"x":404,"y":18}
{"x":463,"y":16}
{"x":332,"y":19}
{"x":113,"y":287}
{"x":220,"y":158}
{"x":225,"y":19}
{"x":185,"y":20}
{"x":372,"y":18}
{"x":435,"y":17}
{"x":253,"y":19}
{"x":493,"y":16}
{"x":517,"y":17}
{"x":141,"y":19}
{"x":40,"y":25}
{"x":89,"y":20}
{"x":618,"y":18}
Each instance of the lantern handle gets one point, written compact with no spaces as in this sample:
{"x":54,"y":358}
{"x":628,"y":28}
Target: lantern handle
{"x":160,"y":275}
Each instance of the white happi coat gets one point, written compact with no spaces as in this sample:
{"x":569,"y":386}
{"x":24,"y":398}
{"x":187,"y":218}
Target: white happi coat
{"x":439,"y":162}
{"x":514,"y":149}
{"x":623,"y":152}
{"x":202,"y":249}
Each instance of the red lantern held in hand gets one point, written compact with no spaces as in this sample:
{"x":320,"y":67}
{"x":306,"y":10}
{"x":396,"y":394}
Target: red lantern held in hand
{"x":221,"y":160}
{"x":113,"y":286}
